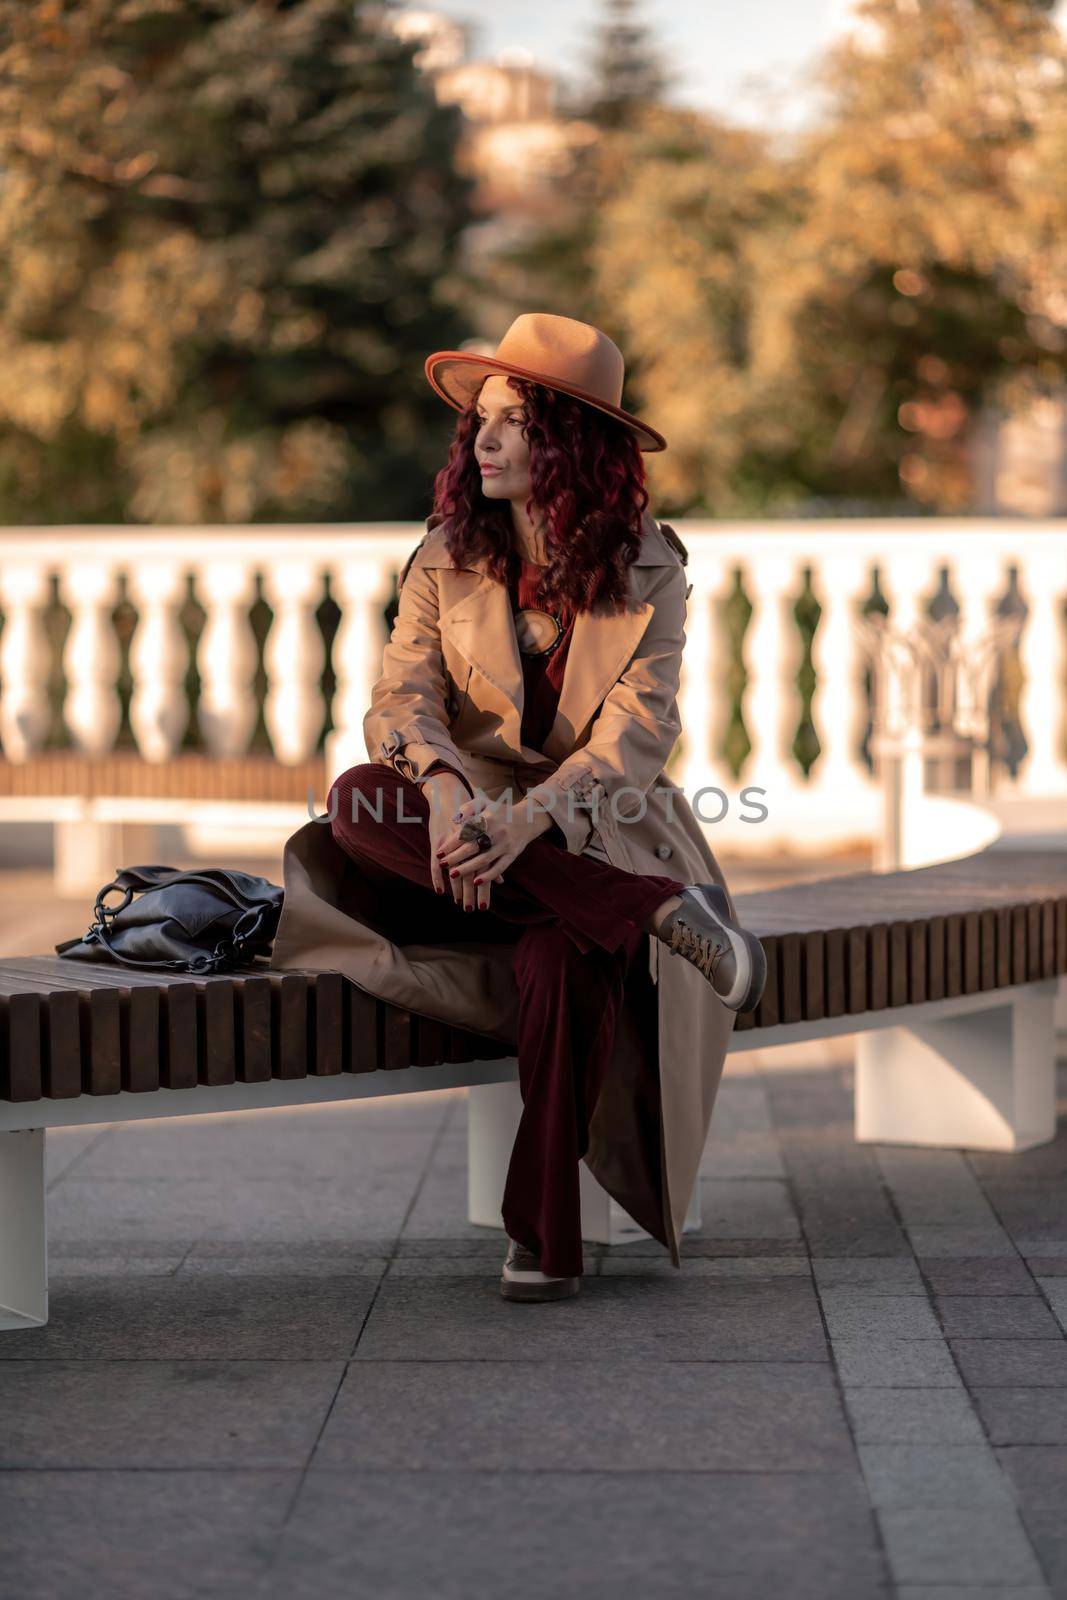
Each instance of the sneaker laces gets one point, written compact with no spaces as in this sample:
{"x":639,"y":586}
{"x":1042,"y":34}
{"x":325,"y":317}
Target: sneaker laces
{"x":697,"y":947}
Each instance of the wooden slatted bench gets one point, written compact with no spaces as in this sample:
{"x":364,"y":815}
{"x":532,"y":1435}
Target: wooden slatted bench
{"x":947,"y":974}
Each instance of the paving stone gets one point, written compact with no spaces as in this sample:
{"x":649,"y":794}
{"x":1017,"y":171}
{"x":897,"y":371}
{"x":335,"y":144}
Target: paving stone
{"x":164,"y":1264}
{"x":1045,"y":1266}
{"x":731,"y":1537}
{"x":890,"y":1363}
{"x":1055,"y":1291}
{"x":996,"y":1317}
{"x":125,"y":1535}
{"x":440,"y":1212}
{"x":912,"y":1416}
{"x":711,"y":1266}
{"x":932,"y":1239}
{"x":746,"y":1208}
{"x":677,"y":1319}
{"x":291,"y":1263}
{"x":163,"y":1414}
{"x":372,"y":1205}
{"x":1018,"y":1415}
{"x":904,"y":1475}
{"x":956,"y":1544}
{"x":970,"y":1591}
{"x":693,"y":1245}
{"x":1009,"y":1362}
{"x":856,"y":1313}
{"x":875,"y":1274}
{"x":979,"y":1275}
{"x":635,"y":1417}
{"x":1038,"y":1474}
{"x":934,"y":1187}
{"x":1030,"y":1211}
{"x":842,"y":1200}
{"x":64,"y":1146}
{"x":269,"y":1147}
{"x":196,"y":1318}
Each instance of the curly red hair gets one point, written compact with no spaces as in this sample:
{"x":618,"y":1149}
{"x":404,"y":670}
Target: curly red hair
{"x":587,"y":478}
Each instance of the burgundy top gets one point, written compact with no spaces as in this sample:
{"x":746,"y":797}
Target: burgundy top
{"x":542,"y":670}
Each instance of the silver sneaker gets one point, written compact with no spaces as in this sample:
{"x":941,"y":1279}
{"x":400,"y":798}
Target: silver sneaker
{"x":522,"y":1278}
{"x":702,"y":930}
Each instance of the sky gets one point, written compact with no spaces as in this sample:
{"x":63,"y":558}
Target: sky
{"x":719,"y":48}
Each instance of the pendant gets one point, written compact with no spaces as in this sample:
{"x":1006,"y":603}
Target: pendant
{"x":538,"y":632}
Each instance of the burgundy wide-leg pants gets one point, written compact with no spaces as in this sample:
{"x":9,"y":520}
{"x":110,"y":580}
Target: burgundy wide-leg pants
{"x":576,"y":925}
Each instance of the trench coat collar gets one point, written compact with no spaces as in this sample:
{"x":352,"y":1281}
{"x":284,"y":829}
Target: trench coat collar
{"x":480,"y":626}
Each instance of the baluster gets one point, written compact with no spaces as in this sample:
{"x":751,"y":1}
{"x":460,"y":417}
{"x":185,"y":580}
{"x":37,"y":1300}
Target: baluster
{"x":977,"y":583}
{"x":703,"y":698}
{"x":362,"y":586}
{"x":842,"y":581}
{"x":24,"y":660}
{"x":91,"y":658}
{"x":159,"y":659}
{"x":772,"y":699}
{"x":294,"y":656}
{"x":226,"y":657}
{"x":1043,"y":653}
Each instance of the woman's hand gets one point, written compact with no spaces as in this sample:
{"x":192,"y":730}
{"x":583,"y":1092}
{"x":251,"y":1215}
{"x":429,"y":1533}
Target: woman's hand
{"x":443,"y":793}
{"x":472,"y":871}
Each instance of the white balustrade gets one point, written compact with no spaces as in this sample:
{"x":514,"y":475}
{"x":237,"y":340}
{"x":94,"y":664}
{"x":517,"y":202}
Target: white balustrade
{"x":92,"y":710}
{"x":159,"y":658}
{"x":702,"y":704}
{"x":294,"y":656}
{"x":772,"y":705}
{"x":842,"y":784}
{"x":1044,"y":664}
{"x":226,"y":656}
{"x":24,"y":710}
{"x":837,"y":802}
{"x":362,"y":589}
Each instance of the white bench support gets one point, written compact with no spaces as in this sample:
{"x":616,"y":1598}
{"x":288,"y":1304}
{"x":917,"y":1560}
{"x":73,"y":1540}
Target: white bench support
{"x":494,"y":1110}
{"x":23,"y":1244}
{"x":983,"y":1079}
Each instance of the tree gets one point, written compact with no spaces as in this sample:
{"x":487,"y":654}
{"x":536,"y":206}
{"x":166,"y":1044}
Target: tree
{"x":919,"y":283}
{"x":227,"y":232}
{"x":627,"y":71}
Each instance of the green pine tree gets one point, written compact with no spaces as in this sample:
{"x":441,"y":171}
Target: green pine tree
{"x":228,"y":234}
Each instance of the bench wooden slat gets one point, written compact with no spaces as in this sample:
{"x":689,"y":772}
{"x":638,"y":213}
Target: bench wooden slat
{"x":139,"y":1018}
{"x":21,"y":1074}
{"x":790,"y":970}
{"x":289,"y":1011}
{"x":936,"y":951}
{"x":365,"y":1029}
{"x":834,"y":945}
{"x":252,"y":997}
{"x":1018,"y":944}
{"x":327,"y":1015}
{"x":181,"y":1039}
{"x":878,"y":958}
{"x":768,"y":1011}
{"x":918,"y":977}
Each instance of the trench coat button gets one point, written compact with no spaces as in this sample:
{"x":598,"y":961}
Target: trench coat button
{"x":664,"y":851}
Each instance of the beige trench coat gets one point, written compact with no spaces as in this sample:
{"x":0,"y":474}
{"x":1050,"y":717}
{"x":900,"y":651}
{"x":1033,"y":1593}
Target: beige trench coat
{"x":451,"y":687}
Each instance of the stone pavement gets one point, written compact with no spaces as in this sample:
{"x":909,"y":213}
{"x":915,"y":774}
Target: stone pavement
{"x":277,"y":1365}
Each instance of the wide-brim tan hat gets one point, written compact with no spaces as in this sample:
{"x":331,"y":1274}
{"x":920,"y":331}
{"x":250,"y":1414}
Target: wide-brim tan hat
{"x":556,"y":351}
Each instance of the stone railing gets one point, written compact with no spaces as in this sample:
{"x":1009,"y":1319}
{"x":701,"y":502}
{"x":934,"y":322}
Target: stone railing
{"x":281,"y":629}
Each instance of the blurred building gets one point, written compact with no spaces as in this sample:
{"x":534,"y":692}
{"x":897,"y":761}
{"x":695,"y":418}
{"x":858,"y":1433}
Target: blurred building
{"x":519,"y":140}
{"x":1020,"y":461}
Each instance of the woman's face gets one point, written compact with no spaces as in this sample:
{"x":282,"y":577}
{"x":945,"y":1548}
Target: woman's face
{"x":501,"y":441}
